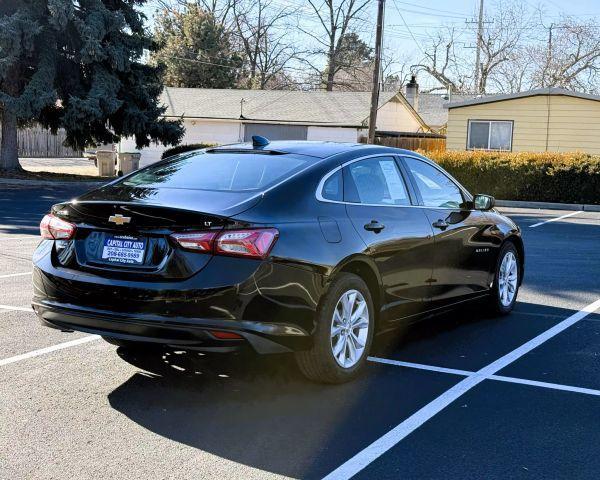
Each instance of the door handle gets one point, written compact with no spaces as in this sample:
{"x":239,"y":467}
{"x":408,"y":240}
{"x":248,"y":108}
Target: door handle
{"x":441,"y":224}
{"x":374,"y":226}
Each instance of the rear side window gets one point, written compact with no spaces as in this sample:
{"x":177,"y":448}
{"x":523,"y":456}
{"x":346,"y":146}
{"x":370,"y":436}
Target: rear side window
{"x":436,"y":189}
{"x":376,"y":181}
{"x":218,"y":171}
{"x":332,"y":188}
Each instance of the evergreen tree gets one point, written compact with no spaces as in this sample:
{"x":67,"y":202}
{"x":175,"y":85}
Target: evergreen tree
{"x":76,"y":64}
{"x":195,"y":50}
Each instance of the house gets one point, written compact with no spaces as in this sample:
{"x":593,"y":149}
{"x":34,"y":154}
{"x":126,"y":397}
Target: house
{"x":229,"y":116}
{"x":543,"y":120}
{"x":432,"y":107}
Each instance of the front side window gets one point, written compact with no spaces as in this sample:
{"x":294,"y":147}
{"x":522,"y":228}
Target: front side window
{"x":375,"y":181}
{"x":436,"y":189}
{"x":489,"y":135}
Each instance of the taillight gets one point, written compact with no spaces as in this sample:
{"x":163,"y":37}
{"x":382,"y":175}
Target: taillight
{"x":200,"y":241}
{"x":53,"y":228}
{"x":252,"y":243}
{"x":255,"y":243}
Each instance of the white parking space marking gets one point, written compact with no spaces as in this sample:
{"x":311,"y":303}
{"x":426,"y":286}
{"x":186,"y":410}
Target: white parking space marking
{"x":500,"y":378}
{"x":553,"y":386}
{"x":5,"y":226}
{"x":555,"y":219}
{"x":30,"y":237}
{"x":421,"y":366}
{"x":12,"y":307}
{"x":43,"y":351}
{"x":15,"y":275}
{"x":371,"y":453}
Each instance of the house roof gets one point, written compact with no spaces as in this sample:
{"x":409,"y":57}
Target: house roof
{"x":432,"y":107}
{"x":529,"y":93}
{"x":306,"y":108}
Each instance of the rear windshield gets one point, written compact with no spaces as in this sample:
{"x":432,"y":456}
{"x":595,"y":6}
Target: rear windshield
{"x":218,"y":171}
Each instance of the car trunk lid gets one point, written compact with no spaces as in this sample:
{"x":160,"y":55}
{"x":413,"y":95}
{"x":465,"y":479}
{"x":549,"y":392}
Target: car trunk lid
{"x":125,"y":231}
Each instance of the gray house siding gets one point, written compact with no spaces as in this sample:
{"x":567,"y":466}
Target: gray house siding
{"x":275,"y":132}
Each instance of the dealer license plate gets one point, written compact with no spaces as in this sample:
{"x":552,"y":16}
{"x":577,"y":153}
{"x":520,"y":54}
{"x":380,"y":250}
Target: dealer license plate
{"x":124,"y":249}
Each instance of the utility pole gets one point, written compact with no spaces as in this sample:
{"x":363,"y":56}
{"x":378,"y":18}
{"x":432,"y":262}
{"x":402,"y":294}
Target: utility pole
{"x":376,"y":67}
{"x":478,"y":51}
{"x":548,"y":56}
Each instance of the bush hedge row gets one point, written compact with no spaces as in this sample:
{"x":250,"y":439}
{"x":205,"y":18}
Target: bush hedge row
{"x":542,"y":177}
{"x":169,"y":152}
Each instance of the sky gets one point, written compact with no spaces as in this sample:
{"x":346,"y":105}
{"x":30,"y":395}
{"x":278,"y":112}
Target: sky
{"x":408,"y":23}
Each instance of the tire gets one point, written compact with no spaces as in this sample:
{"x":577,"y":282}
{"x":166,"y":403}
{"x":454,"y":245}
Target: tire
{"x":319,"y":363}
{"x":502,"y":300}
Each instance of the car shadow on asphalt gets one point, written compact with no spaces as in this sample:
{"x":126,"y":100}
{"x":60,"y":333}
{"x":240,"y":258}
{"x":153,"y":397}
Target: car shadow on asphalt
{"x":260,"y":411}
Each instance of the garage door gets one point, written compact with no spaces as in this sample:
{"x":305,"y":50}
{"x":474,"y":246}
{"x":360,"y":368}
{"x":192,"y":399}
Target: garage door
{"x":275,"y":132}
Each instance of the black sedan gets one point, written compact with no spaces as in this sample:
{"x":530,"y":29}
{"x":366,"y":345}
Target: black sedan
{"x":304,"y":247}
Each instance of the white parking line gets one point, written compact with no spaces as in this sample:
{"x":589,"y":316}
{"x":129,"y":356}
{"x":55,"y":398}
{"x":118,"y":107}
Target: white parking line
{"x":363,"y":458}
{"x":43,"y":351}
{"x":553,"y":386}
{"x":500,"y":378}
{"x":421,"y":366}
{"x":19,"y":309}
{"x":9,"y":275}
{"x":555,"y":219}
{"x":29,"y":237}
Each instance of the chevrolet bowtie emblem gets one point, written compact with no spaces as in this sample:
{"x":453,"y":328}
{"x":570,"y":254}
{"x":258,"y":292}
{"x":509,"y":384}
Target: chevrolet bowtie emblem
{"x":119,"y":219}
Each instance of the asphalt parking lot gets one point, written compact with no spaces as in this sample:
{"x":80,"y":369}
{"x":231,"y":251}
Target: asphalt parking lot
{"x":464,"y":396}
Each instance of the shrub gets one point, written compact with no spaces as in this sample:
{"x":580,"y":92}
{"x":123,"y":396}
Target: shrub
{"x":542,"y":177}
{"x":169,"y":152}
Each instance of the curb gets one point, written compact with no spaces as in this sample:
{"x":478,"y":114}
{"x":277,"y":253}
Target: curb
{"x":548,"y":205}
{"x":51,"y":183}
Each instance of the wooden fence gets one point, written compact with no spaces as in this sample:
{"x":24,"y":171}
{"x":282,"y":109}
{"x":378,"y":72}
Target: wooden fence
{"x":38,"y":142}
{"x":428,"y":144}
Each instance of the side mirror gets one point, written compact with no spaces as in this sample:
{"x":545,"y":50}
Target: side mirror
{"x":483,"y":202}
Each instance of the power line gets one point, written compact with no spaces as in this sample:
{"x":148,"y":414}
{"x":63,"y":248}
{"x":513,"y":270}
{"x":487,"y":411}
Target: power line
{"x":437,"y":9}
{"x":427,"y":14}
{"x":295,"y":82}
{"x":407,"y":27}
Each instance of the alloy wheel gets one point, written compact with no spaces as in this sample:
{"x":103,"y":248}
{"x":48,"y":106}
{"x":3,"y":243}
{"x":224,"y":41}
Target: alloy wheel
{"x":507,"y":279}
{"x":349,"y":328}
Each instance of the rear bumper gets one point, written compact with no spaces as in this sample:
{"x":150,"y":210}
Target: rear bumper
{"x":271,"y":305}
{"x":181,"y":332}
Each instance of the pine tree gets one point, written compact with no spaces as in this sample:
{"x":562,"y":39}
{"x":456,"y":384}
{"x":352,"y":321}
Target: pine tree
{"x":195,"y":50}
{"x":77,"y":65}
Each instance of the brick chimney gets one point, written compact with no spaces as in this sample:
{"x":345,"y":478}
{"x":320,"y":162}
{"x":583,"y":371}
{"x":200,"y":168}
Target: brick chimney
{"x":412,"y":92}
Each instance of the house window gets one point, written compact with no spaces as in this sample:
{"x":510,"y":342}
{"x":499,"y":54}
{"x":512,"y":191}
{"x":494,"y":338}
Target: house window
{"x":490,"y":135}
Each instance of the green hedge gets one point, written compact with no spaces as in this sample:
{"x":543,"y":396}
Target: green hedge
{"x":542,"y":177}
{"x":169,"y":152}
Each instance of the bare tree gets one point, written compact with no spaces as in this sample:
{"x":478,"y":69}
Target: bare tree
{"x":336,"y":20}
{"x":501,"y":40}
{"x":513,"y":76}
{"x":441,"y":61}
{"x":261,"y":29}
{"x":395,"y":71}
{"x":503,"y":51}
{"x":220,"y":9}
{"x":571,"y":58}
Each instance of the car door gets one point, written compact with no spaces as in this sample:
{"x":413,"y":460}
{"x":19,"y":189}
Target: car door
{"x":462,"y":252}
{"x":397,"y":235}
